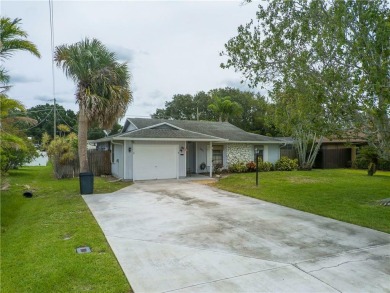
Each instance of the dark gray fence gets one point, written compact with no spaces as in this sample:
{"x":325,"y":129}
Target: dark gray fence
{"x":333,"y":158}
{"x":289,"y":153}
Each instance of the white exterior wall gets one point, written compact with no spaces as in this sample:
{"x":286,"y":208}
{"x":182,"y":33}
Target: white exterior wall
{"x":202,"y":156}
{"x":129,"y":160}
{"x":182,"y":159}
{"x":117,"y":164}
{"x":273,"y":153}
{"x":232,"y":153}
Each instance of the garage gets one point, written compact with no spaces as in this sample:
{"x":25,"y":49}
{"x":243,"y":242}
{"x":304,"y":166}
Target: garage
{"x":155,"y":161}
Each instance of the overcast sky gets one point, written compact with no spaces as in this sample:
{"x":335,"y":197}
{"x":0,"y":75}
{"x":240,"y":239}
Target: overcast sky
{"x":172,"y":47}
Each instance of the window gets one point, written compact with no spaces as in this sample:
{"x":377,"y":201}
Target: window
{"x":260,"y":149}
{"x":217,"y":155}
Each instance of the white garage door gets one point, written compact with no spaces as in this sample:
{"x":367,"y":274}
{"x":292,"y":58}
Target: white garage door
{"x":155,"y":161}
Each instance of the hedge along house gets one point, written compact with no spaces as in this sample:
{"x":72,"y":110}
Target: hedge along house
{"x":164,"y":149}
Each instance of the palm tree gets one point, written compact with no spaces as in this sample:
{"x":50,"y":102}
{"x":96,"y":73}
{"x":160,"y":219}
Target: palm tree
{"x":225,"y":108}
{"x":103,"y":89}
{"x":13,"y":38}
{"x":13,"y":140}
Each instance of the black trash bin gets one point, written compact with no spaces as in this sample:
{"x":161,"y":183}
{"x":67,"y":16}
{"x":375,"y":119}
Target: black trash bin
{"x":86,"y":183}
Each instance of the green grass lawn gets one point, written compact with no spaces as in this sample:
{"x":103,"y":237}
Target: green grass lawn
{"x":39,"y":237}
{"x":343,"y":194}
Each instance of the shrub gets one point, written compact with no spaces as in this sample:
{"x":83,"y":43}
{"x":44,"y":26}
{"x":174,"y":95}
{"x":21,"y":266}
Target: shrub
{"x":265,"y":166}
{"x":367,"y":156}
{"x":251,"y":166}
{"x":217,"y":168}
{"x":239,"y":167}
{"x":286,"y":164}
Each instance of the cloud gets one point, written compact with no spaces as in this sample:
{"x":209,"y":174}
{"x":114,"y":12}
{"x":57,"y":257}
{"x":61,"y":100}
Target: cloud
{"x":146,"y":104}
{"x":122,"y":53}
{"x":49,"y":99}
{"x":45,"y":99}
{"x":155,"y":94}
{"x":19,"y":78}
{"x":236,"y":84}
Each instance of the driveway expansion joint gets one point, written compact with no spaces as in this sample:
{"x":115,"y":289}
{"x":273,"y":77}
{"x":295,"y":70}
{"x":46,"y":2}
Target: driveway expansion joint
{"x":342,"y":263}
{"x":322,"y":281}
{"x":346,"y":252}
{"x":225,"y":279}
{"x":201,"y":249}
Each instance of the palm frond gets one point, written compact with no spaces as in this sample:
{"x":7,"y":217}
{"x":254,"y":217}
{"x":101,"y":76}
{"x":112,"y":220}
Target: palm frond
{"x":7,"y":104}
{"x":13,"y":38}
{"x":103,"y":84}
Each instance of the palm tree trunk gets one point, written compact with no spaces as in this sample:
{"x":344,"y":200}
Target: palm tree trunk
{"x":82,"y":140}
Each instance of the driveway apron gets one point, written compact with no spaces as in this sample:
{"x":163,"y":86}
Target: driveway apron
{"x":181,"y":236}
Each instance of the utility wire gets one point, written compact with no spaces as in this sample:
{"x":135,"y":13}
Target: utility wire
{"x":63,"y":120}
{"x":43,"y":120}
{"x":37,"y":111}
{"x":52,"y":63}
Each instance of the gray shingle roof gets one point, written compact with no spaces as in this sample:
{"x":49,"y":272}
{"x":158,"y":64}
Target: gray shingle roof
{"x":168,"y":134}
{"x":223,"y":130}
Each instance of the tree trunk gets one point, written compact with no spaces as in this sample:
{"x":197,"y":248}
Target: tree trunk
{"x":82,"y":140}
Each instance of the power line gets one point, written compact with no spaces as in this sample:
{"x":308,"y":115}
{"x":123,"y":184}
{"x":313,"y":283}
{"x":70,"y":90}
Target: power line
{"x":37,"y":111}
{"x":43,"y":120}
{"x":63,"y":120}
{"x":52,"y":63}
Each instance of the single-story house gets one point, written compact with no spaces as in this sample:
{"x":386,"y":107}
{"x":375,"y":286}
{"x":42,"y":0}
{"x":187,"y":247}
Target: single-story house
{"x":163,"y":149}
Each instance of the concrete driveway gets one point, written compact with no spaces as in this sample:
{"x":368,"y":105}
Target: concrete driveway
{"x":180,"y":236}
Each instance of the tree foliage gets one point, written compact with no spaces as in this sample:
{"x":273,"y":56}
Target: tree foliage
{"x":63,"y":148}
{"x":103,"y":86}
{"x":316,"y":51}
{"x":251,"y":116}
{"x":44,"y":114}
{"x":95,"y":132}
{"x":15,"y":148}
{"x":224,"y":108}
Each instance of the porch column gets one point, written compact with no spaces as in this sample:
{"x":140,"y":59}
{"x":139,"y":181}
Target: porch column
{"x":211,"y":159}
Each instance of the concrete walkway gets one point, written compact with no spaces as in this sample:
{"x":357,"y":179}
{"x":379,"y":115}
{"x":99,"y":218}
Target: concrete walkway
{"x":180,"y":236}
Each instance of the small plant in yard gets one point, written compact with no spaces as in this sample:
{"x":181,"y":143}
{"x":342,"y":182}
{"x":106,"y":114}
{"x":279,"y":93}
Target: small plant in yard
{"x":251,"y":166}
{"x":218,"y":168}
{"x":265,"y":166}
{"x":238,"y":167}
{"x":286,"y":164}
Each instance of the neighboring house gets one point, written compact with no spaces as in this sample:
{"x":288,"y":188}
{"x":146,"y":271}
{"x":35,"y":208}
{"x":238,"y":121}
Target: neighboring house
{"x":41,"y":160}
{"x":164,"y":149}
{"x":338,"y":153}
{"x":334,"y":153}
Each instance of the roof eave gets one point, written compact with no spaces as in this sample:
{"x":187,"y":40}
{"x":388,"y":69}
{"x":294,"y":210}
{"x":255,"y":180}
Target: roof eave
{"x":169,"y":139}
{"x":256,"y":141}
